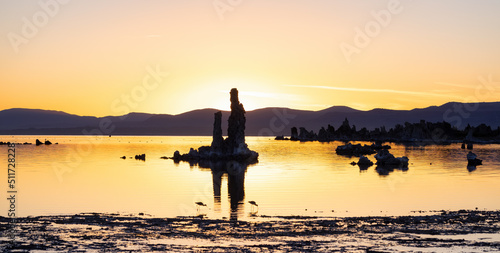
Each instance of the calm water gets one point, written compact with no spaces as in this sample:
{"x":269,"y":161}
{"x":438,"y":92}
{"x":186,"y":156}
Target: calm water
{"x":86,"y":174}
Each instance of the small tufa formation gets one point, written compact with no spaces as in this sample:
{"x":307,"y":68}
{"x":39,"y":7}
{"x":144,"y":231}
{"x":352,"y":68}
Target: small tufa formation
{"x":472,"y":159}
{"x":233,"y":147}
{"x":364,"y":163}
{"x":358,"y":150}
{"x":217,"y":139}
{"x":141,"y":157}
{"x":385,"y":158}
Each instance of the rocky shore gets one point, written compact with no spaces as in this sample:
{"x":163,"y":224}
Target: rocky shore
{"x":422,"y":133}
{"x":463,"y":231}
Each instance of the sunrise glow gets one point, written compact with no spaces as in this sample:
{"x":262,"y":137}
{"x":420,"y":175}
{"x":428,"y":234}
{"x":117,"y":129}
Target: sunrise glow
{"x":83,"y":56}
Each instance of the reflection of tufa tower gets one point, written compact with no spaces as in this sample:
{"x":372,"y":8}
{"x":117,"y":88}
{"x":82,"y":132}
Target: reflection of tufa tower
{"x":235,"y":141}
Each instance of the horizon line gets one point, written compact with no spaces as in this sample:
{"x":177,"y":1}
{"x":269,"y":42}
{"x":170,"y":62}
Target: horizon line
{"x":208,"y":108}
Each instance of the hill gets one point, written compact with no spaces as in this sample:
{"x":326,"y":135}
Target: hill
{"x":264,"y":122}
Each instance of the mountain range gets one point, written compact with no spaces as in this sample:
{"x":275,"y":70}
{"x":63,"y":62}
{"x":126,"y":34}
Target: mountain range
{"x":260,"y":122}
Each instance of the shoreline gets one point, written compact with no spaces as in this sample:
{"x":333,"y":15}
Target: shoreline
{"x":115,"y":233}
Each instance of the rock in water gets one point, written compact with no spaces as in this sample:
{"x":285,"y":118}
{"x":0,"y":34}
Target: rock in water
{"x":472,"y":159}
{"x":235,"y":141}
{"x":364,"y":163}
{"x":233,"y":148}
{"x":384,"y":158}
{"x":294,"y":135}
{"x":217,"y":139}
{"x":363,"y":160}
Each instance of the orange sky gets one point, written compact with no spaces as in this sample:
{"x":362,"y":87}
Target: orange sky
{"x":100,"y":58}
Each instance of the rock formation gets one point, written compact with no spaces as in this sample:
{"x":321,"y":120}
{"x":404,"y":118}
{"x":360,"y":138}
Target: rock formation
{"x":473,"y":160}
{"x":217,"y":140}
{"x":232,"y":148}
{"x":235,"y":142}
{"x":364,"y":161}
{"x":358,"y":150}
{"x":384,"y":158}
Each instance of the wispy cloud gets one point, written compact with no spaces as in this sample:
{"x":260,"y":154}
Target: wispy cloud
{"x":416,"y":93}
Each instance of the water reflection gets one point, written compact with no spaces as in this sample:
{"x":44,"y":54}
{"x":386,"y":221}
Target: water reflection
{"x":235,"y":172}
{"x":471,"y":168}
{"x":387,"y":169}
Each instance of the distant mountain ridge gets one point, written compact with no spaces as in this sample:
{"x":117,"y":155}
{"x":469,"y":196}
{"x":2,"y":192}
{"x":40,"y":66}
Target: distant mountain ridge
{"x":260,"y":122}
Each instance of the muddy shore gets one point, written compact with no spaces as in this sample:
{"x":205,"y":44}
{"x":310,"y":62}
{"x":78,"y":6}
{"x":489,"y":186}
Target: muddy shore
{"x":468,"y":231}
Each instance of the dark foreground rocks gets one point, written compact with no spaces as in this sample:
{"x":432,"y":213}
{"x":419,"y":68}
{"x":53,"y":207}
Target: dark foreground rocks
{"x":359,"y":150}
{"x":458,"y":231}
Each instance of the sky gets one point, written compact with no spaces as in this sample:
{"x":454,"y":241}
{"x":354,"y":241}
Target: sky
{"x":99,"y":58}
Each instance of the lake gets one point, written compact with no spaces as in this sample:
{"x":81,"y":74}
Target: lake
{"x":86,"y":174}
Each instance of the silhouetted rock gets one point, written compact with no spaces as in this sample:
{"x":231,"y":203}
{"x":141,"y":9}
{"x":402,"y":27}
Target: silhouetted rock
{"x":281,"y":138}
{"x":364,"y":163}
{"x":354,"y":150}
{"x":385,"y":158}
{"x":141,"y":157}
{"x":472,"y":159}
{"x":422,"y":133}
{"x":235,"y":141}
{"x":38,"y":142}
{"x":305,"y":135}
{"x":363,"y":160}
{"x":233,"y":148}
{"x":470,"y":146}
{"x":47,"y":142}
{"x":217,"y":139}
{"x":323,"y":135}
{"x":294,"y":134}
{"x":378,"y":145}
